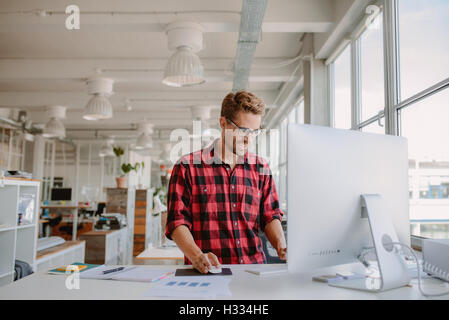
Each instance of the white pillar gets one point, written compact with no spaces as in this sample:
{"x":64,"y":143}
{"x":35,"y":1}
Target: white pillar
{"x":38,"y":157}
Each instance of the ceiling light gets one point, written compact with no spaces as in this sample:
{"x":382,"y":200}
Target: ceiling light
{"x":184,"y":67}
{"x":54,"y":128}
{"x":99,"y":107}
{"x":144,"y":141}
{"x":106,"y":149}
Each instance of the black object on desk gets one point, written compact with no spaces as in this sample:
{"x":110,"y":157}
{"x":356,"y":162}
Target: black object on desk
{"x":194,"y":272}
{"x":113,"y":270}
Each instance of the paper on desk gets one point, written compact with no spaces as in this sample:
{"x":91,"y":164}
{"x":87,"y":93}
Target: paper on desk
{"x":191,"y":287}
{"x":131,"y":273}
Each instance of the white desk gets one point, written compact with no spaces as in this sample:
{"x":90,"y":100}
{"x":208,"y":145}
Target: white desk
{"x":243,"y":286}
{"x":162,"y":253}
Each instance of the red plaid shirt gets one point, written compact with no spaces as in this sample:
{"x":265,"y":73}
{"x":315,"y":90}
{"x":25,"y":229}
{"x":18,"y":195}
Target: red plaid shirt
{"x":223,"y":209}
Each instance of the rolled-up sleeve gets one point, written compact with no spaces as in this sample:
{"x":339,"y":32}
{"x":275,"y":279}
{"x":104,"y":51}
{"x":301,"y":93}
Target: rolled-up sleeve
{"x":178,"y":200}
{"x":269,"y":205}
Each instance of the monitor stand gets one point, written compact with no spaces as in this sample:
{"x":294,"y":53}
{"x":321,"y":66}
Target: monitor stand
{"x":392,"y":268}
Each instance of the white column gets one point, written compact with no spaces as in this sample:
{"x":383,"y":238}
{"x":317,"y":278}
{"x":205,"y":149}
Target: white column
{"x":38,"y":157}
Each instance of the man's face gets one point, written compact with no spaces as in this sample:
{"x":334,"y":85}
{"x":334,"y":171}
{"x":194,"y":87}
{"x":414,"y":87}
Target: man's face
{"x":230,"y":134}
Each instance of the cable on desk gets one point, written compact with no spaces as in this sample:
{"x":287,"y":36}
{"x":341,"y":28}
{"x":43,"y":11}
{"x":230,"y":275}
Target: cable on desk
{"x":419,"y":273}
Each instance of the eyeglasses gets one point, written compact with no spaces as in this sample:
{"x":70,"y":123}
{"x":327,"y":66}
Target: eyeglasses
{"x":245,"y":132}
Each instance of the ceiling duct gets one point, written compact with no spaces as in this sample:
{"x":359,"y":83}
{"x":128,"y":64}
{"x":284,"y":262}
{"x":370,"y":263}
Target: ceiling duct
{"x":253,"y":12}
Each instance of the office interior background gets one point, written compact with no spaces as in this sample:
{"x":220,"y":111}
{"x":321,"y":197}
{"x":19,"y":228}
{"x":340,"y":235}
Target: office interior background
{"x":374,"y":66}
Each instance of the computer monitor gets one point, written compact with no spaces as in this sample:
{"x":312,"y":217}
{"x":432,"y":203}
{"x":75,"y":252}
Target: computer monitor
{"x":327,"y":172}
{"x":61,"y":194}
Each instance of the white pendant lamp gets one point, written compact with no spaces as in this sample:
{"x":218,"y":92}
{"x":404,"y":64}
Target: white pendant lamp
{"x":144,"y":141}
{"x":202,"y":113}
{"x":184,"y":67}
{"x":106,"y":150}
{"x":99,"y":107}
{"x":54,"y":128}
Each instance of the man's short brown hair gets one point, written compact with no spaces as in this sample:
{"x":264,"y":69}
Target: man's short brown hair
{"x":242,"y":100}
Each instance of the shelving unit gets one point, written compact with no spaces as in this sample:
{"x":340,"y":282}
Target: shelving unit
{"x":17,"y":242}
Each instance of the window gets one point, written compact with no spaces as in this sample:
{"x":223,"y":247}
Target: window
{"x":424,"y":44}
{"x":424,"y":123}
{"x":421,"y":102}
{"x":300,"y":112}
{"x":342,"y":89}
{"x":374,"y":127}
{"x":372,"y":70}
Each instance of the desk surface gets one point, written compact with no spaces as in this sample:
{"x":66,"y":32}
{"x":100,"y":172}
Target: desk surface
{"x":243,"y":285}
{"x":165,"y":253}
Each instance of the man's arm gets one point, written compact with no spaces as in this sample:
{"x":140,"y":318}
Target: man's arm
{"x":275,"y":234}
{"x":200,"y":261}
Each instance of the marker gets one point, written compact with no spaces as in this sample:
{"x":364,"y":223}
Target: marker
{"x":113,"y":270}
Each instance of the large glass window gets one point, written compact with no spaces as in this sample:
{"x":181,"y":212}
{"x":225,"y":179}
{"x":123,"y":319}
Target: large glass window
{"x":342,"y":90}
{"x":372,"y":69}
{"x":424,"y":44}
{"x":375,"y":127}
{"x":425,"y":124}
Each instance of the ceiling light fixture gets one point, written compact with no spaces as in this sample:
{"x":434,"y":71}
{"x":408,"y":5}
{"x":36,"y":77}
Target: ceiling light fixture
{"x":106,"y":150}
{"x":54,"y":128}
{"x":184,"y":67}
{"x":99,"y":107}
{"x":144,"y":141}
{"x":202,"y":114}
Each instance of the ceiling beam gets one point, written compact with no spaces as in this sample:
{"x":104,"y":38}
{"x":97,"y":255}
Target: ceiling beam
{"x":130,"y":70}
{"x":153,"y":16}
{"x":150,"y":101}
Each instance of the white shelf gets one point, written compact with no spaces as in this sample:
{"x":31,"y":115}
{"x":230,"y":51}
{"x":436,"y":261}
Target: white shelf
{"x":17,"y":242}
{"x":7,"y":228}
{"x":25,"y":226}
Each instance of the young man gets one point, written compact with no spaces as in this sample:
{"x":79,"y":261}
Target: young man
{"x":220,"y":197}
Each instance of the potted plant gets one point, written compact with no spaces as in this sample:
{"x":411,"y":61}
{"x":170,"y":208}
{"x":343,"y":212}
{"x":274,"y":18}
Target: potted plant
{"x":121,"y":180}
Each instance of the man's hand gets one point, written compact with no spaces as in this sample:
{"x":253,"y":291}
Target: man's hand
{"x":282,"y":253}
{"x":275,"y":234}
{"x":204,"y":262}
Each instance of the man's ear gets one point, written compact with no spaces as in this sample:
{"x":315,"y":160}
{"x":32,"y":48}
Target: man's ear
{"x":223,"y":123}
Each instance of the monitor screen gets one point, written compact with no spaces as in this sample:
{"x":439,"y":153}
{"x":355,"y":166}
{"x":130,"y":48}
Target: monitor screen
{"x":61,"y":194}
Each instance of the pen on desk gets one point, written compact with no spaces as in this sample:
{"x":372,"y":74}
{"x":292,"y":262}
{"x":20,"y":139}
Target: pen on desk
{"x":165,"y":275}
{"x":113,"y":270}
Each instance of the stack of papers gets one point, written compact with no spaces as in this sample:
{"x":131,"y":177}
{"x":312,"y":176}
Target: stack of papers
{"x":191,"y":287}
{"x":132,"y":273}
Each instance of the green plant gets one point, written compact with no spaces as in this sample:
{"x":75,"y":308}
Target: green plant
{"x":118,"y":151}
{"x":126,"y":168}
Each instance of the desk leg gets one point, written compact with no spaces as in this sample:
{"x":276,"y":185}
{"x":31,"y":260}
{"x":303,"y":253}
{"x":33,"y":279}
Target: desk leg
{"x":75,"y":224}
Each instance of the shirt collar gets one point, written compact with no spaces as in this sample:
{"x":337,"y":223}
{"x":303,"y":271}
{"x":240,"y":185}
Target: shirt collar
{"x":211,"y":157}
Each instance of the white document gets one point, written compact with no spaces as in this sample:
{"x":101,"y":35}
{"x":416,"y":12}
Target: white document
{"x":132,"y":273}
{"x":191,"y":287}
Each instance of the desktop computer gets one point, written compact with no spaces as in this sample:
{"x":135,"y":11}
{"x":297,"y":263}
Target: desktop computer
{"x":61,"y":194}
{"x":347,"y":191}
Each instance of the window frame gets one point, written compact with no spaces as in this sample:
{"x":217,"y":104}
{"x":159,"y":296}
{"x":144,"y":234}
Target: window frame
{"x":391,"y":114}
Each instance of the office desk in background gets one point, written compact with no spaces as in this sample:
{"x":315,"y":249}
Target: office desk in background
{"x":170,"y":254}
{"x":243,"y":286}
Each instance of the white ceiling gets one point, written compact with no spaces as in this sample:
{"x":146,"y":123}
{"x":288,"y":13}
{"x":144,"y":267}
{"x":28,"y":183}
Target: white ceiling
{"x":42,"y":63}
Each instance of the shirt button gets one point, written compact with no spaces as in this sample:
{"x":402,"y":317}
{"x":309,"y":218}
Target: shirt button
{"x":233,"y":205}
{"x":205,"y":189}
{"x":227,"y":168}
{"x":238,"y":241}
{"x":241,"y":260}
{"x":233,"y":187}
{"x":235,"y":224}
